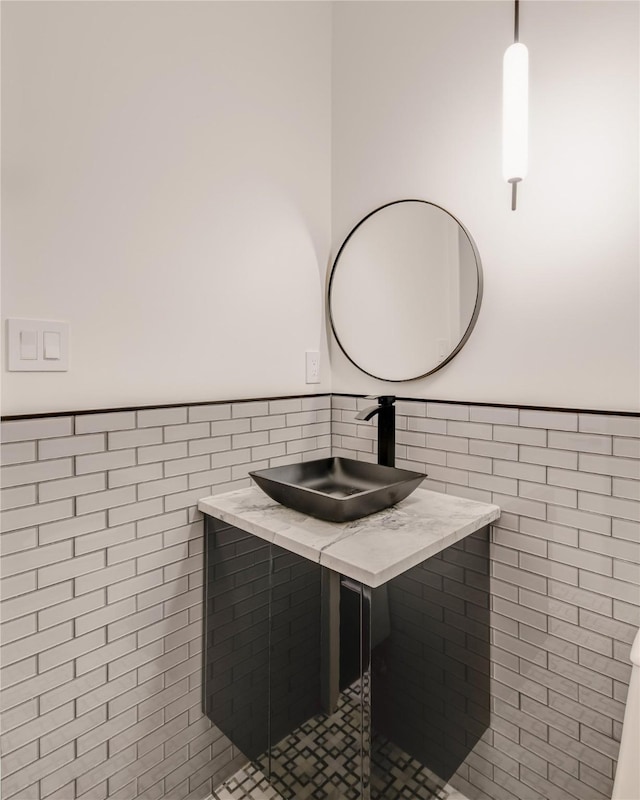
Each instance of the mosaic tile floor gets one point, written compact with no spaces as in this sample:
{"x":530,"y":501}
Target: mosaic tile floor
{"x":320,"y":761}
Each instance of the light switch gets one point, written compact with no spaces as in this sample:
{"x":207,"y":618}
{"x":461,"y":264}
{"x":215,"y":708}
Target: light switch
{"x":51,"y":346}
{"x":28,"y":345}
{"x":37,"y":345}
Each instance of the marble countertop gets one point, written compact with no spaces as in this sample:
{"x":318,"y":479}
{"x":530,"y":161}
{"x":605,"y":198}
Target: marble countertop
{"x":371,"y":550}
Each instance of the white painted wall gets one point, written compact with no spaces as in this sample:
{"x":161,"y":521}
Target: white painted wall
{"x":417,"y":113}
{"x":165,"y":189}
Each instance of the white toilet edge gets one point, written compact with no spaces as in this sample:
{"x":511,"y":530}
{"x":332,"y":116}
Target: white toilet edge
{"x":635,"y":650}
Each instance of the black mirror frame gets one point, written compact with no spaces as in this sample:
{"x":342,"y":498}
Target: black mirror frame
{"x":476,"y":309}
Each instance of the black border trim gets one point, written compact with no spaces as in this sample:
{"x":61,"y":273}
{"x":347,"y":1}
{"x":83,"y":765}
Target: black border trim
{"x":607,"y":413}
{"x":83,"y":412}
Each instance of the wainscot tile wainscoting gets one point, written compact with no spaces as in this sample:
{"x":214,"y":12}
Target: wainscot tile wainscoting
{"x":565,"y":579}
{"x":102,"y":591}
{"x":102,"y":586}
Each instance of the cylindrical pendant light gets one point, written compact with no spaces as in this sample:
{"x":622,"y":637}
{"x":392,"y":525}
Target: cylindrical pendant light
{"x":515,"y":111}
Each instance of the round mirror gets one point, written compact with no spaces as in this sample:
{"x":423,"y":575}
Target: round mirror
{"x":405,"y":290}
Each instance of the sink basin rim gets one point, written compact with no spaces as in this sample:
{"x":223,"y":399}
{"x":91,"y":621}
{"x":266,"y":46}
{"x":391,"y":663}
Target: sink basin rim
{"x":281,"y":486}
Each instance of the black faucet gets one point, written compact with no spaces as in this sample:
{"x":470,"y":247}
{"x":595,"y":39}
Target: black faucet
{"x":386,"y":412}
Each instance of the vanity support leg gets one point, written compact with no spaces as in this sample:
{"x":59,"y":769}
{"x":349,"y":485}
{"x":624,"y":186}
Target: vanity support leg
{"x":363,"y":632}
{"x":365,"y":649}
{"x":330,"y":670}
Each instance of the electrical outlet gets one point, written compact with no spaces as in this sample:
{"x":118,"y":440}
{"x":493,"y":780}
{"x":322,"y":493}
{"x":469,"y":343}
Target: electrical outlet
{"x":312,"y":361}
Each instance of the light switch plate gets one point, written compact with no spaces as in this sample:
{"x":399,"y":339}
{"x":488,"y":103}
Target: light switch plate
{"x":21,"y":358}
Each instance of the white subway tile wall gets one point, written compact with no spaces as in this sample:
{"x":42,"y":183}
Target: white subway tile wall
{"x":102,"y":575}
{"x":102,"y":591}
{"x":565,"y":579}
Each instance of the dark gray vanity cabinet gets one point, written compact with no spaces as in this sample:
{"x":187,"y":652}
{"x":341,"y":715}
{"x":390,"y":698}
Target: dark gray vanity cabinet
{"x":261,"y":653}
{"x":430,"y":677}
{"x":236,"y":635}
{"x":413,"y":700}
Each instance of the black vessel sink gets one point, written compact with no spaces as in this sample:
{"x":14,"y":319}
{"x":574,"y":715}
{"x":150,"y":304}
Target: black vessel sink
{"x":337,"y":489}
